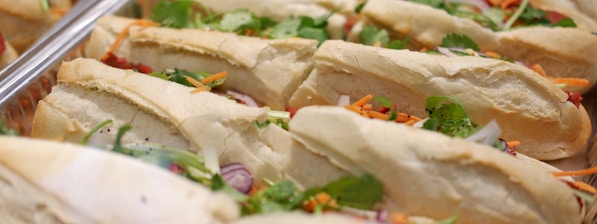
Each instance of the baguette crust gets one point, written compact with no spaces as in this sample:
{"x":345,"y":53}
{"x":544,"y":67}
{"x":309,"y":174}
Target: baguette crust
{"x":268,"y":70}
{"x":481,"y":184}
{"x":567,"y":51}
{"x":24,"y":21}
{"x":426,"y":27}
{"x":205,"y":120}
{"x":81,"y":185}
{"x":527,"y":107}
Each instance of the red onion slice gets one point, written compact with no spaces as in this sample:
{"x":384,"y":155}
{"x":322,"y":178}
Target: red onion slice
{"x":445,"y":51}
{"x":243,"y":97}
{"x":237,"y":176}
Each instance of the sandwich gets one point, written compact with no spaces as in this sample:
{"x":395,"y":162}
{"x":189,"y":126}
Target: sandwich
{"x":514,"y":30}
{"x":548,"y":121}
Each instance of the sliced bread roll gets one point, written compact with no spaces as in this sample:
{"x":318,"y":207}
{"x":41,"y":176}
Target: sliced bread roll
{"x":528,"y":107}
{"x":556,"y":49}
{"x":159,"y":111}
{"x":50,"y":182}
{"x":267,"y":70}
{"x":429,"y":174}
{"x":24,"y":21}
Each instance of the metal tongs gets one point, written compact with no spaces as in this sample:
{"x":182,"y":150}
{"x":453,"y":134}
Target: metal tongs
{"x":63,"y":37}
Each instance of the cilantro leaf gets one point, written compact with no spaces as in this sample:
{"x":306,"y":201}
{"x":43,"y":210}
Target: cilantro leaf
{"x":387,"y":103}
{"x":432,"y":3}
{"x":240,"y":21}
{"x":398,"y":44}
{"x":175,"y":14}
{"x":280,"y":196}
{"x":359,"y":7}
{"x":370,"y":35}
{"x":357,"y":192}
{"x":287,"y":28}
{"x":6,"y":131}
{"x":179,"y":76}
{"x":448,"y":116}
{"x":566,"y":22}
{"x":460,"y":41}
{"x":450,"y":220}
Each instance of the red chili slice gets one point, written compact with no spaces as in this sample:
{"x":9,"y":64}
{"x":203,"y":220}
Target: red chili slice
{"x":2,"y":45}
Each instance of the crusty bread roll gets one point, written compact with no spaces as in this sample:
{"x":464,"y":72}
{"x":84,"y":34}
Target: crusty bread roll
{"x":159,"y":111}
{"x":528,"y":107}
{"x":427,"y":173}
{"x":9,"y":55}
{"x":267,"y":70}
{"x":50,"y":182}
{"x":426,"y":27}
{"x":24,"y":21}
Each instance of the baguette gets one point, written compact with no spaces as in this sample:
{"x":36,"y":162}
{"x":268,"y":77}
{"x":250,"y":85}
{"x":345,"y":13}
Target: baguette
{"x":159,"y":111}
{"x":50,"y":182}
{"x":426,"y":26}
{"x":24,"y":21}
{"x":268,"y":70}
{"x":481,"y":184}
{"x":527,"y":107}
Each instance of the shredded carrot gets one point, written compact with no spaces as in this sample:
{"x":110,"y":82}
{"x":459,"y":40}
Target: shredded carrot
{"x":354,"y":108}
{"x":505,"y":4}
{"x":58,"y":11}
{"x":378,"y":115}
{"x":363,"y":100}
{"x":410,"y":122}
{"x":584,"y":186}
{"x":322,"y":198}
{"x":572,"y":81}
{"x":512,"y":143}
{"x":537,"y":68}
{"x":402,"y":117}
{"x":194,"y":81}
{"x":377,"y":44}
{"x":588,"y":171}
{"x":125,"y":31}
{"x":201,"y":89}
{"x":214,"y":77}
{"x":492,"y":54}
{"x":398,"y":218}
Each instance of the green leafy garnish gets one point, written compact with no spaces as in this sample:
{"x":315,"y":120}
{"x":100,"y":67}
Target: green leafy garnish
{"x":179,"y":14}
{"x":432,"y":3}
{"x":118,"y":143}
{"x":7,"y":131}
{"x":359,"y":7}
{"x":372,"y":36}
{"x":448,"y":116}
{"x":450,"y":220}
{"x":280,"y":196}
{"x":239,"y":21}
{"x":175,"y":14}
{"x":179,"y":76}
{"x":357,"y":192}
{"x":459,"y":41}
{"x":94,"y":130}
{"x":566,"y":22}
{"x":45,"y":5}
{"x":387,"y":103}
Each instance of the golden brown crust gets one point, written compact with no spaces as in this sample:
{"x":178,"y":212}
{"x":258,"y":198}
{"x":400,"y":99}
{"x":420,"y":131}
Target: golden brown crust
{"x":527,"y":107}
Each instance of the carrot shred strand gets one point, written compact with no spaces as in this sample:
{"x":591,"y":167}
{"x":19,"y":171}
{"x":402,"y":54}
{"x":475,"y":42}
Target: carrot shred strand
{"x":363,"y":100}
{"x":588,"y":171}
{"x":214,"y":77}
